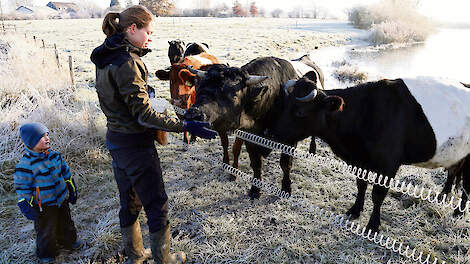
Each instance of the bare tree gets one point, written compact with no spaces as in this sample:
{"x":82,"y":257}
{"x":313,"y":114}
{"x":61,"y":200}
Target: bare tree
{"x":159,"y":7}
{"x":237,"y":9}
{"x":276,"y":12}
{"x":253,"y":9}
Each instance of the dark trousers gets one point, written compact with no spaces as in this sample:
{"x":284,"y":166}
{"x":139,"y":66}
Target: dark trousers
{"x":139,"y":178}
{"x":54,"y":228}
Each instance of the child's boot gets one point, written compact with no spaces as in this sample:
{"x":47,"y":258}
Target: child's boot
{"x":46,"y":260}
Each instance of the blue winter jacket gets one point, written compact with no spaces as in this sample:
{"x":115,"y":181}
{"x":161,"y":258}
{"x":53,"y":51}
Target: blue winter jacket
{"x":42,"y":177}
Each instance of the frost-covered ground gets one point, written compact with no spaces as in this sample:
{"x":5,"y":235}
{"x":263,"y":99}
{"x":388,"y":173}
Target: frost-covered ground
{"x":213,"y":219}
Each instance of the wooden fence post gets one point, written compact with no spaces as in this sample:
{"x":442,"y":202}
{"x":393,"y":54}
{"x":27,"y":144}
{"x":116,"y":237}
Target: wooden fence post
{"x":71,"y":70}
{"x":56,"y":56}
{"x":43,"y":44}
{"x":34,"y":37}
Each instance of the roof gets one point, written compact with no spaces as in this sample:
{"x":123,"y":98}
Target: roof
{"x":37,"y":10}
{"x":63,"y":6}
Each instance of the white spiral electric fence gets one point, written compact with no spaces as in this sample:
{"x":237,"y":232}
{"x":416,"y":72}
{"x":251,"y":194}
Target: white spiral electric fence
{"x":334,"y":219}
{"x":422,"y":193}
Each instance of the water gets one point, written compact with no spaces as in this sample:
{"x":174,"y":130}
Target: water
{"x":444,"y":54}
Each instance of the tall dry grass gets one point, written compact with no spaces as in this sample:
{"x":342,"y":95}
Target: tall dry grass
{"x":34,"y":89}
{"x":392,"y":21}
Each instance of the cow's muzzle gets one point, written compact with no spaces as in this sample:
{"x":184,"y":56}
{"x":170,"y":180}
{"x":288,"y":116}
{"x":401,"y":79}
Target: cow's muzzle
{"x":194,"y":113}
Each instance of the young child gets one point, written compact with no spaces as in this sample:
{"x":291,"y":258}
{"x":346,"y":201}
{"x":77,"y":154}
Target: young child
{"x":44,"y":185}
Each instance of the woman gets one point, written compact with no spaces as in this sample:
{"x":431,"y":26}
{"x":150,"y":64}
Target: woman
{"x":121,"y":84}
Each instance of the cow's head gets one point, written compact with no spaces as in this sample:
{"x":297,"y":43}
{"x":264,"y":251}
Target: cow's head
{"x":221,"y":95}
{"x":306,"y":111}
{"x":175,"y":51}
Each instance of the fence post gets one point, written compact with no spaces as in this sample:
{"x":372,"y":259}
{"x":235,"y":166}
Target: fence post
{"x":56,"y":56}
{"x":34,"y":37}
{"x":43,"y":45}
{"x":71,"y":70}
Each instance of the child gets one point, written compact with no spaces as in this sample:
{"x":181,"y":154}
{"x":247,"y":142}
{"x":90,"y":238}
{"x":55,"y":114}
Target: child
{"x":44,"y":185}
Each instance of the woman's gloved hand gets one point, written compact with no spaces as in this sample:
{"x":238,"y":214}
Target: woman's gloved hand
{"x":199,"y":129}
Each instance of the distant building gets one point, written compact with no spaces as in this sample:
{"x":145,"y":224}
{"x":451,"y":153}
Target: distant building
{"x":24,"y":10}
{"x":64,"y":7}
{"x":36,"y":11}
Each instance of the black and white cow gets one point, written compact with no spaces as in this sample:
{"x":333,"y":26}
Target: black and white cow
{"x":175,"y":51}
{"x":381,"y":125}
{"x":195,"y":48}
{"x":246,"y":98}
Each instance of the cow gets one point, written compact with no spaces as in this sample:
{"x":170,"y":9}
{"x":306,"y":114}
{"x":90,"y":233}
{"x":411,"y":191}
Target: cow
{"x":182,"y":93}
{"x":381,"y":125}
{"x":194,"y":48}
{"x":175,"y":51}
{"x":246,"y":98}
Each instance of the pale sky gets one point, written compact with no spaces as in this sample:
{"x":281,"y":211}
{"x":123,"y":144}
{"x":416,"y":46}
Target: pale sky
{"x":449,"y":10}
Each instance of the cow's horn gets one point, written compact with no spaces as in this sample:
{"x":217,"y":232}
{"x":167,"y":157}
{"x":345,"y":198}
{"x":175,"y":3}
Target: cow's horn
{"x":308,"y":97}
{"x":199,"y":73}
{"x":254,"y":79}
{"x":288,"y":85}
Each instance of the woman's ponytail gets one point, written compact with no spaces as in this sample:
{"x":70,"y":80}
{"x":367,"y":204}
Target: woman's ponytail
{"x":115,"y":22}
{"x":110,"y":24}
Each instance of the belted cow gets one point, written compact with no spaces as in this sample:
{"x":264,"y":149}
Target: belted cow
{"x":249,"y":98}
{"x":381,"y":125}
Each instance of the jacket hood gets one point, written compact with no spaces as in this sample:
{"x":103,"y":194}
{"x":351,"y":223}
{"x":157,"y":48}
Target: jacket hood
{"x":115,"y":50}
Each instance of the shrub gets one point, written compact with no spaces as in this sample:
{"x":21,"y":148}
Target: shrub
{"x":392,"y":21}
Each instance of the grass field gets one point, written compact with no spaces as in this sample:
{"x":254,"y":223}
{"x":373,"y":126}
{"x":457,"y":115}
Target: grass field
{"x":213,"y":219}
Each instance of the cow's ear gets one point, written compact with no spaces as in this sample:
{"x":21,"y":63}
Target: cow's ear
{"x":187,"y":77}
{"x":333,"y":103}
{"x":163,"y":75}
{"x":311,"y":75}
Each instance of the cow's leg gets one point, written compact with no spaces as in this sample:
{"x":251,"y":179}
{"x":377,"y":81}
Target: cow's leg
{"x":465,"y":185}
{"x":236,"y":149}
{"x":355,"y":211}
{"x":313,"y":146}
{"x":226,"y":157}
{"x":224,"y":142}
{"x":286,"y":165}
{"x":256,"y":163}
{"x":378,"y":197}
{"x":186,"y":137}
{"x":449,"y":182}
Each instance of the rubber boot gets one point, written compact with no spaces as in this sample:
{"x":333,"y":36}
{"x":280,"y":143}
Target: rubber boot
{"x":133,"y":246}
{"x":160,"y":244}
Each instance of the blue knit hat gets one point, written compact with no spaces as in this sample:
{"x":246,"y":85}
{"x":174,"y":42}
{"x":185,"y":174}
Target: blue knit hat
{"x":31,"y":133}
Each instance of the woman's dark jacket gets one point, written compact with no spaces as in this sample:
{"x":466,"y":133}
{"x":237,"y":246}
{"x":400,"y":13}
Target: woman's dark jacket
{"x":121,"y":84}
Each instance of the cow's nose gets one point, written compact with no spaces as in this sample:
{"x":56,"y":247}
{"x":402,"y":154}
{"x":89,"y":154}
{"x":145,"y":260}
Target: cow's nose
{"x":194,"y":113}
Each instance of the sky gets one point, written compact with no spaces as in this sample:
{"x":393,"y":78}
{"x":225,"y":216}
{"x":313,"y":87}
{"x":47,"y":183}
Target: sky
{"x":449,"y":10}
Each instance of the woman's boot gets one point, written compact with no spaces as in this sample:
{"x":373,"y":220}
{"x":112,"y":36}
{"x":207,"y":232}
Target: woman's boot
{"x":160,"y":244}
{"x":133,"y":246}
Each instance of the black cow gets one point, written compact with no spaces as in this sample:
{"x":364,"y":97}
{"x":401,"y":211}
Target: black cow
{"x":175,"y":51}
{"x":381,"y":125}
{"x":246,"y":98}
